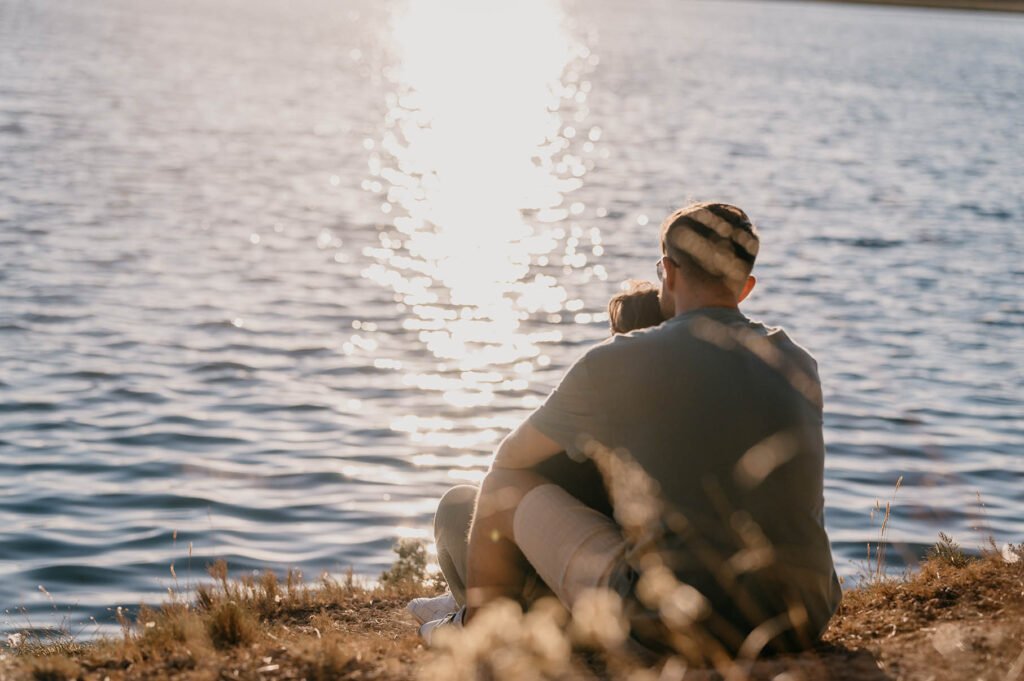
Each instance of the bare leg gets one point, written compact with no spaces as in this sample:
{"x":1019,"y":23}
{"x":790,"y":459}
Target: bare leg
{"x":496,"y":568}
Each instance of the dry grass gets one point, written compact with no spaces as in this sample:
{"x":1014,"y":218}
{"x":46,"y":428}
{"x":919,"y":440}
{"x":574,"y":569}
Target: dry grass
{"x":947,"y":586}
{"x":53,"y":668}
{"x":247,"y":628}
{"x":954,"y":618}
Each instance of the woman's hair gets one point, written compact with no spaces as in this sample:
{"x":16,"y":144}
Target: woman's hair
{"x":634,"y":308}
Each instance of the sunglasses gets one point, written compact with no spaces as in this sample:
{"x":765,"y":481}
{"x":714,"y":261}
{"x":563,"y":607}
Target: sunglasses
{"x":659,"y":266}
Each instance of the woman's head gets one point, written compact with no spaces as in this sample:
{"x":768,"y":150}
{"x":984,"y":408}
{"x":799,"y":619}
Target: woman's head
{"x":634,"y":308}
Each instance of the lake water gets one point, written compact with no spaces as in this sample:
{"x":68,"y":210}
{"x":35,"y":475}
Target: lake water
{"x":274,"y":275}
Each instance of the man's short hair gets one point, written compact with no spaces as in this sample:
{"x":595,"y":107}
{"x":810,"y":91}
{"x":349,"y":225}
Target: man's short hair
{"x":712,"y":242}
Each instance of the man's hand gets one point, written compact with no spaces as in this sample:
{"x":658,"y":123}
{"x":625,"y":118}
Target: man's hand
{"x":524,"y":447}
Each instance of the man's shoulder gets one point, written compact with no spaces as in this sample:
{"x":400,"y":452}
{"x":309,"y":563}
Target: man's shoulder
{"x":626,"y":344}
{"x":744,"y":332}
{"x":727,"y":330}
{"x":797,"y":352}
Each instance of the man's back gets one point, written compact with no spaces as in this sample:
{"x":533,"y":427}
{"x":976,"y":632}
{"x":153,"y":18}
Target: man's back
{"x":724,"y":415}
{"x":718,"y":422}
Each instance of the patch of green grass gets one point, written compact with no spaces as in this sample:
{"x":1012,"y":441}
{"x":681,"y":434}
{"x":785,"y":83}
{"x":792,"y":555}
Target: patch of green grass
{"x":411,"y":565}
{"x":948,"y":552}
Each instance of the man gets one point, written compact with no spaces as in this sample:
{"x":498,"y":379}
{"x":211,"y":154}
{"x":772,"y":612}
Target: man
{"x":720,"y":421}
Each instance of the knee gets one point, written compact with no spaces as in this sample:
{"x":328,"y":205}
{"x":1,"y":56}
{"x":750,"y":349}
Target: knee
{"x":502,"y":490}
{"x":455,"y":508}
{"x":460,"y":495}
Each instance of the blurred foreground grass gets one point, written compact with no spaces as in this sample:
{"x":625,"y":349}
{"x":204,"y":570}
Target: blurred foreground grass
{"x":955,"y":617}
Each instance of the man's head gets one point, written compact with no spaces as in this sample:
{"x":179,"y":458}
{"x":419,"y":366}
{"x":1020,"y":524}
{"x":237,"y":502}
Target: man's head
{"x":708,"y":251}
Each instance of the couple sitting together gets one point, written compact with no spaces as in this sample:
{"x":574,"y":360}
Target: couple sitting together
{"x":678,"y":464}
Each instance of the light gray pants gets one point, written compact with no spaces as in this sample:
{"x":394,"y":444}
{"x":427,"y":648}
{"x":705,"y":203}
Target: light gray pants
{"x":570,"y":546}
{"x":451,"y":535}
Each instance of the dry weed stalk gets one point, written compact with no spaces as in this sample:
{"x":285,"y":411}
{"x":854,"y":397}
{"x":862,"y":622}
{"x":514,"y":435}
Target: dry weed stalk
{"x":877,"y":573}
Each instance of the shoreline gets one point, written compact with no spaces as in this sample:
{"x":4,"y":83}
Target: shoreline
{"x":992,"y":6}
{"x":954,"y":617}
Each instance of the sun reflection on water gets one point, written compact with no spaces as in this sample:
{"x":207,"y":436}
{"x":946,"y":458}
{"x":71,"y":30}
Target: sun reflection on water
{"x":474,"y":168}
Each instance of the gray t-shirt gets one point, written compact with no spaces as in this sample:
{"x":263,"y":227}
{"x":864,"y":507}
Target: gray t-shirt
{"x":725,"y":416}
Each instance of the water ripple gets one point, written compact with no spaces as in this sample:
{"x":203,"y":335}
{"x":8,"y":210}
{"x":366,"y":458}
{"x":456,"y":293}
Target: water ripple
{"x":239,"y":317}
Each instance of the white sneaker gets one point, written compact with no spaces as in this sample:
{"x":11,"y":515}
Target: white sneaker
{"x":429,"y":609}
{"x":454,"y":619}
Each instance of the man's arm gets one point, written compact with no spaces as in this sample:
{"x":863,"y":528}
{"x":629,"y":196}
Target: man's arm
{"x":524,"y":447}
{"x":555,"y":426}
